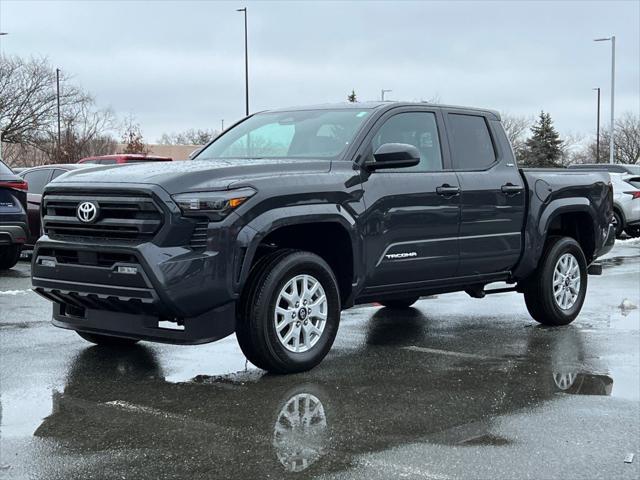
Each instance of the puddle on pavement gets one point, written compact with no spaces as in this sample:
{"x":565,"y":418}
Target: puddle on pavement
{"x":583,"y":383}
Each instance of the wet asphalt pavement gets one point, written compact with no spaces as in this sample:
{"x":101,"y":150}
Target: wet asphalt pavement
{"x":453,"y":388}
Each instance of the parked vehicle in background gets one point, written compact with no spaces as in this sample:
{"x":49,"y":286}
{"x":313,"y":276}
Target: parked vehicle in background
{"x":124,"y":158}
{"x":293,"y":215}
{"x":608,"y":167}
{"x":37,"y":178}
{"x":626,"y":203}
{"x":626,"y":194}
{"x":14,"y":229}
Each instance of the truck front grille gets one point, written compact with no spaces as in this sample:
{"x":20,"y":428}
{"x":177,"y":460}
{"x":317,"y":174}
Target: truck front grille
{"x":134,"y":218}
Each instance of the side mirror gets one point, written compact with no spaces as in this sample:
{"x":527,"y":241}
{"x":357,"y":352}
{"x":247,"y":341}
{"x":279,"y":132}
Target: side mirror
{"x":394,"y":155}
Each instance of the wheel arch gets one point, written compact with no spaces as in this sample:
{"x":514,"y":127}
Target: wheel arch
{"x":326,"y":230}
{"x":573,"y":217}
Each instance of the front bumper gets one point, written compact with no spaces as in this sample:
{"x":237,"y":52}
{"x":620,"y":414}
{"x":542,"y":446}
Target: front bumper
{"x":136,"y":291}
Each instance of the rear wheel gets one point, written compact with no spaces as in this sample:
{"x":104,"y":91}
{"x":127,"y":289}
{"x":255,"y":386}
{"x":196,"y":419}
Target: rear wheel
{"x":289,"y":314}
{"x":9,"y":256}
{"x":107,"y":340}
{"x":556,"y":292}
{"x":400,"y":302}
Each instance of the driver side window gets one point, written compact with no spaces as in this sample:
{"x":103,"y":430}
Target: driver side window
{"x":414,"y":128}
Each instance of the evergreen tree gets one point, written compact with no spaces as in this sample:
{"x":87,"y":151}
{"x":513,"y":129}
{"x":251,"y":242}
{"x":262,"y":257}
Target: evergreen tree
{"x":352,"y":97}
{"x":544,"y":147}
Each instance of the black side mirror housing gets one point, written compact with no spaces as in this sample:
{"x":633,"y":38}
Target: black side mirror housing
{"x":394,"y":155}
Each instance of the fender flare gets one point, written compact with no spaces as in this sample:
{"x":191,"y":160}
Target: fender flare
{"x":252,"y":234}
{"x":535,"y":238}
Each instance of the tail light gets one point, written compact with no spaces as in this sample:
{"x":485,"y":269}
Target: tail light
{"x":634,"y":195}
{"x":15,"y":185}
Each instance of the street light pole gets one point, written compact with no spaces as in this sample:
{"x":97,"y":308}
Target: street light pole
{"x":382,"y":92}
{"x":612,"y":39}
{"x":1,"y":34}
{"x":598,"y":128}
{"x":246,"y":60}
{"x":58,"y":102}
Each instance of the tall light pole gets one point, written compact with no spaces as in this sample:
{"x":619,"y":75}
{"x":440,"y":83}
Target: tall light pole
{"x":612,"y":38}
{"x":58,"y":102}
{"x":1,"y":34}
{"x":382,"y":92}
{"x":598,"y":128}
{"x":246,"y":60}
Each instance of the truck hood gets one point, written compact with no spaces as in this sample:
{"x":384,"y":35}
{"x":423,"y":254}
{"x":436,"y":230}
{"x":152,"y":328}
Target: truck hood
{"x":195,"y":175}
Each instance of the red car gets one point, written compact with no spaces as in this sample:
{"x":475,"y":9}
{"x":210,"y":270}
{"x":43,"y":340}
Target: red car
{"x":124,"y":158}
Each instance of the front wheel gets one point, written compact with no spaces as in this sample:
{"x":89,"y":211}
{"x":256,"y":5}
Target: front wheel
{"x":107,"y":340}
{"x":618,"y":224}
{"x":556,"y":292}
{"x":9,"y":256}
{"x":289,"y":313}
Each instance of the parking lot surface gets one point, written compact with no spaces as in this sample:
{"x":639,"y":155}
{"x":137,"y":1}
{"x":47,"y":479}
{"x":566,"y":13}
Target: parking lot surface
{"x":453,"y":388}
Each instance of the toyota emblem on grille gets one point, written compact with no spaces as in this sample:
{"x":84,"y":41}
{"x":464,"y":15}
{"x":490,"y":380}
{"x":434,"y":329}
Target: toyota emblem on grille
{"x":87,"y":212}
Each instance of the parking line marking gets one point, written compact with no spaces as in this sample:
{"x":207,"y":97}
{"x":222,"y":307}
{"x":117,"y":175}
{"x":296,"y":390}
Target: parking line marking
{"x":452,"y":353}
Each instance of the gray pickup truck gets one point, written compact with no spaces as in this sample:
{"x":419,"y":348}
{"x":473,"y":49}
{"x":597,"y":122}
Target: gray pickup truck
{"x":293,"y":215}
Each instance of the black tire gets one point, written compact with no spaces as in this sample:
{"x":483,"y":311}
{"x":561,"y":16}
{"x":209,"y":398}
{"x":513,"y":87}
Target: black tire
{"x":9,"y":256}
{"x":618,"y":223}
{"x":107,"y":340}
{"x":400,"y":302}
{"x":255,"y":326}
{"x":633,"y":231}
{"x":539,"y":290}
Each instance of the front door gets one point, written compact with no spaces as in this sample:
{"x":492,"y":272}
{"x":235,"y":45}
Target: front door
{"x":412,"y":214}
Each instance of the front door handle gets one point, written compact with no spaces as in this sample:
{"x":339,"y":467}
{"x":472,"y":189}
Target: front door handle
{"x":447,"y":190}
{"x":511,"y":189}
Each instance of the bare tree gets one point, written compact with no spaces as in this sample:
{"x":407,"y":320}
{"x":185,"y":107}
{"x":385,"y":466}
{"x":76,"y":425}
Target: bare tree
{"x":626,"y":142}
{"x":627,"y":139}
{"x":28,"y":99}
{"x":516,"y":128}
{"x":189,"y":137}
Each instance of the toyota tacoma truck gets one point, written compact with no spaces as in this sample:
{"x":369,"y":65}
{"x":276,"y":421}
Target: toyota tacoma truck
{"x":293,"y":215}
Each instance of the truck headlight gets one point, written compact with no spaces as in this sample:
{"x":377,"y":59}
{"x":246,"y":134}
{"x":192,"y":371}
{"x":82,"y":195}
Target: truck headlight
{"x":215,"y":205}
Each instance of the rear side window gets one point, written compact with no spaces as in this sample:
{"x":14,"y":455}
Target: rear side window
{"x":471,"y":143}
{"x":107,"y":161}
{"x":4,"y":169}
{"x":635,"y":181}
{"x":57,"y":172}
{"x":37,"y":179}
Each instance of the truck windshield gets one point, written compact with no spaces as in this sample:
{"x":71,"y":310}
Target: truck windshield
{"x":297,"y":134}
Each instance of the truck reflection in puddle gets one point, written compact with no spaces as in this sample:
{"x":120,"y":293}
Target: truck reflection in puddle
{"x":367,"y":400}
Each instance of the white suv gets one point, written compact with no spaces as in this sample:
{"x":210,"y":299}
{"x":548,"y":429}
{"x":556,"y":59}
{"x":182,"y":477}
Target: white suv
{"x":626,"y":203}
{"x":626,"y":194}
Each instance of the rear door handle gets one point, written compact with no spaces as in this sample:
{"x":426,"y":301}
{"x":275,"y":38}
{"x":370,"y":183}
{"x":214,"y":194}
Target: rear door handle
{"x":511,"y":189}
{"x":447,"y":190}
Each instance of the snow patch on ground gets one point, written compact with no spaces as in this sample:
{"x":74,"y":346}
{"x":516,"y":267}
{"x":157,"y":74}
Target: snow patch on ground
{"x":14,"y":292}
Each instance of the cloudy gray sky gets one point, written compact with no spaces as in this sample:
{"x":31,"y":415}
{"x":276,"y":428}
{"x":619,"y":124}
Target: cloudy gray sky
{"x":179,"y":64}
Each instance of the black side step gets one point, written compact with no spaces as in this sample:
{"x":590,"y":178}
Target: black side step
{"x":480,"y":292}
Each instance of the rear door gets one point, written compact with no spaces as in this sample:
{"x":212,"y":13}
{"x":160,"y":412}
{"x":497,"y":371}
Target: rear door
{"x":411,"y":219}
{"x":492,"y":193}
